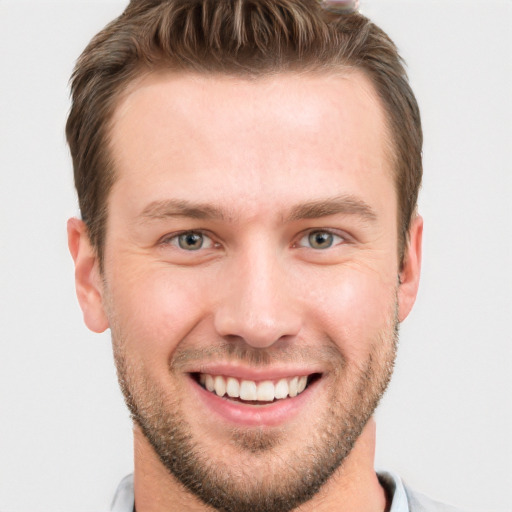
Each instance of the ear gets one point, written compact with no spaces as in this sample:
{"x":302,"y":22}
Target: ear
{"x":88,"y":282}
{"x":410,"y":272}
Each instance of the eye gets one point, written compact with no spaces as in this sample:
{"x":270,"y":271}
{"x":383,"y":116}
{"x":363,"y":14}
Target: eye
{"x":190,"y":241}
{"x":320,"y":240}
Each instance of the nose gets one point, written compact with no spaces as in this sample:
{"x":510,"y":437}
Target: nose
{"x":257,"y":302}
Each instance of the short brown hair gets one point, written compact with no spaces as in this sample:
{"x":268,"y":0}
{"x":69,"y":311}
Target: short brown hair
{"x":240,"y":37}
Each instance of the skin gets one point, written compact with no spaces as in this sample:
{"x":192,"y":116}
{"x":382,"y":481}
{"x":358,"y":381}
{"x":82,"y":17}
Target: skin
{"x":255,"y":152}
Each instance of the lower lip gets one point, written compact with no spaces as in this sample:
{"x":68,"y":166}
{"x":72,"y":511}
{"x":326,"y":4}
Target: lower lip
{"x":272,"y":414}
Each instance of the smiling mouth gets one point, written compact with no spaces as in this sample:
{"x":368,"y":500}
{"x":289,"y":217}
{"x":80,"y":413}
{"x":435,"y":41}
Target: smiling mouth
{"x":255,"y":392}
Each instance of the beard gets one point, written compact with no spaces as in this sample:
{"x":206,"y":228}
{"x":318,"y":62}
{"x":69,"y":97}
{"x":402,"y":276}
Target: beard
{"x":255,"y":471}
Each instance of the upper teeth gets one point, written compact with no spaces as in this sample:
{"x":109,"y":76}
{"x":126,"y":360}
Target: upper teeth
{"x":265,"y":391}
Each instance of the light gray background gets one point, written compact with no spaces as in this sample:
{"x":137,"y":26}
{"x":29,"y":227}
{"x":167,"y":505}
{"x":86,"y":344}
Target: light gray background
{"x":446,"y":423}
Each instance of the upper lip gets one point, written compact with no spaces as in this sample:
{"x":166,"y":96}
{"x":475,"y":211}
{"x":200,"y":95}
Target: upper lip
{"x":243,"y":372}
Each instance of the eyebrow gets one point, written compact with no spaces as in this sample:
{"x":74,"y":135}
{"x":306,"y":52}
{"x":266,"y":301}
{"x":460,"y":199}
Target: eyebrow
{"x":344,"y":205}
{"x":158,"y":210}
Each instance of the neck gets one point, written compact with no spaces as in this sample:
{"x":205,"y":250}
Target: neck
{"x":354,"y":486}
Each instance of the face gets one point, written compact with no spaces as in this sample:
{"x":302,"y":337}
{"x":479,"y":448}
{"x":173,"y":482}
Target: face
{"x":251,"y":278}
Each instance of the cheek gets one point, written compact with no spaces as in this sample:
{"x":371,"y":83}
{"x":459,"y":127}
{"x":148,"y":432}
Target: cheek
{"x":156,"y":310}
{"x":355,"y":309}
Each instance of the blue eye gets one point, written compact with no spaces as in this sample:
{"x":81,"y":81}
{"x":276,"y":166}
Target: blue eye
{"x":320,"y":240}
{"x":191,"y":241}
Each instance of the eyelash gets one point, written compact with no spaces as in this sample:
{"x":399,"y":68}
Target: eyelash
{"x":334,"y":234}
{"x":173,"y":239}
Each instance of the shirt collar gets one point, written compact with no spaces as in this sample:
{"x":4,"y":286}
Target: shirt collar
{"x":396,"y":490}
{"x":124,"y":499}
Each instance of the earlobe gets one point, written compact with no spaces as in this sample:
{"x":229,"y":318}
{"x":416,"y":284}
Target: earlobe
{"x":409,"y":276}
{"x":88,"y":282}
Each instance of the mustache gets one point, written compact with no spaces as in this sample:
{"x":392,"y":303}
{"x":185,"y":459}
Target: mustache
{"x":241,"y":353}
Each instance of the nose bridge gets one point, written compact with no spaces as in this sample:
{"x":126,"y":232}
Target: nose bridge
{"x":257,"y":304}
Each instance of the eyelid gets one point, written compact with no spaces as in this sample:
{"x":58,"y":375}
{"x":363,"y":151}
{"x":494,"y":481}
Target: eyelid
{"x":345,"y":238}
{"x":171,"y":237}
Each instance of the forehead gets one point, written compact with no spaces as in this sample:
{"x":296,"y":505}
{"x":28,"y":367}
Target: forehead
{"x":277,"y":135}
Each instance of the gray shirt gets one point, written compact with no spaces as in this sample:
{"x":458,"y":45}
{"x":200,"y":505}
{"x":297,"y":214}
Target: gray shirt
{"x":403,"y":499}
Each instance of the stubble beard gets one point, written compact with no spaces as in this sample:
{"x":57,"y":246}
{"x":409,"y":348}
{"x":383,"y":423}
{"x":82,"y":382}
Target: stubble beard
{"x":265,"y":479}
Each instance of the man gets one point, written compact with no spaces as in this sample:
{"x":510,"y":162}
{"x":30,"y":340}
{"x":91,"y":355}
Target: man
{"x":248,"y":173}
